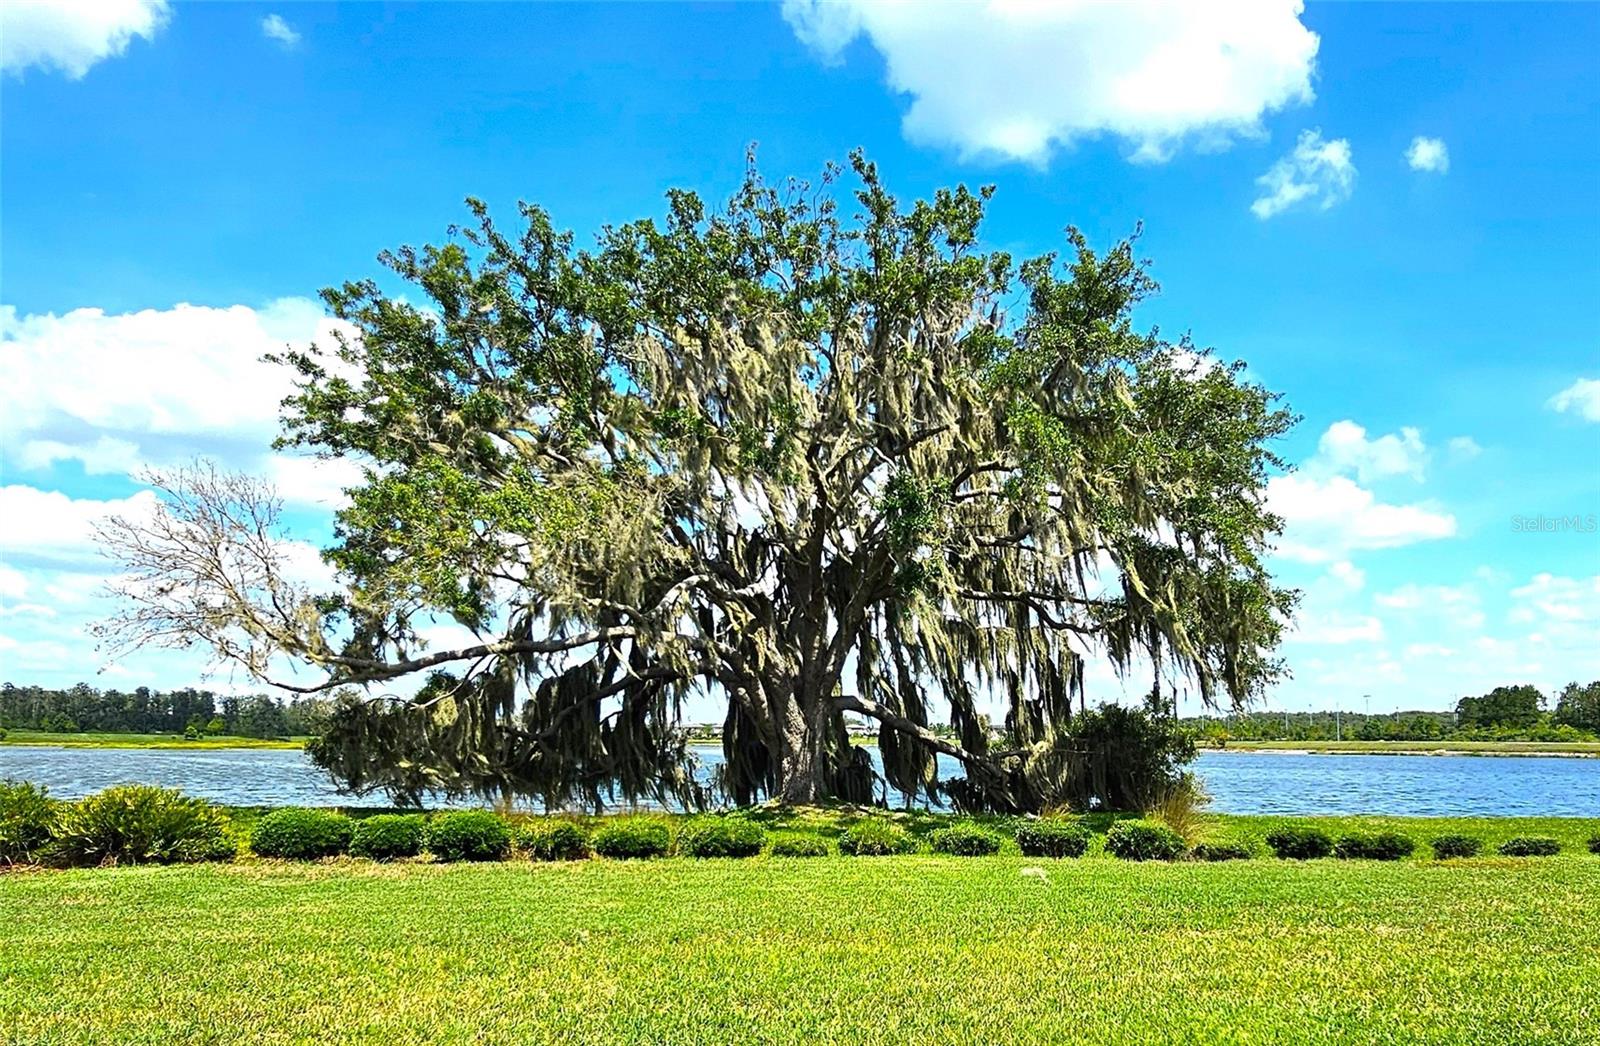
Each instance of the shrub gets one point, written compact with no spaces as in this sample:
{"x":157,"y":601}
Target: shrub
{"x":553,"y":840}
{"x":1052,"y":837}
{"x":1180,"y":805}
{"x":302,"y":835}
{"x":1223,"y":850}
{"x":721,"y":837}
{"x":1594,"y":844}
{"x":874,"y":837}
{"x":468,"y":835}
{"x":385,"y":837}
{"x":1530,"y":846}
{"x":139,"y":824}
{"x":1448,"y":846}
{"x":796,"y":845}
{"x":27,"y":815}
{"x":1299,"y":844}
{"x":1143,"y":841}
{"x":1384,"y":846}
{"x":631,"y":837}
{"x":964,"y":839}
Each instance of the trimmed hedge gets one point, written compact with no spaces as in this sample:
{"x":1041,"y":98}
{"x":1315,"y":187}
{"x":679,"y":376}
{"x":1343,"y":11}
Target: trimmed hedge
{"x":1053,"y":837}
{"x":468,"y":835}
{"x":553,"y":840}
{"x":302,"y":835}
{"x":1223,"y":850}
{"x":721,"y":837}
{"x":385,"y":837}
{"x":1144,"y":841}
{"x":1300,"y":844}
{"x":27,"y":819}
{"x":1448,"y":846}
{"x":633,"y":837}
{"x":874,"y":837}
{"x":1530,"y":846}
{"x":140,"y":824}
{"x":964,"y":839}
{"x":796,"y":845}
{"x":1384,"y":846}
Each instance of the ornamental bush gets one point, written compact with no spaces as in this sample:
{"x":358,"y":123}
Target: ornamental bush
{"x":553,"y":839}
{"x":27,"y":815}
{"x":1143,"y":841}
{"x":140,"y":824}
{"x":1300,"y":844}
{"x":797,"y":845}
{"x":468,"y":835}
{"x":964,"y":839}
{"x":1384,"y":846}
{"x":1222,"y":850}
{"x":721,"y":837}
{"x":1530,"y":846}
{"x":874,"y":837}
{"x":1053,"y":837}
{"x":385,"y":837}
{"x":1448,"y":846}
{"x":632,"y":837}
{"x":302,"y":835}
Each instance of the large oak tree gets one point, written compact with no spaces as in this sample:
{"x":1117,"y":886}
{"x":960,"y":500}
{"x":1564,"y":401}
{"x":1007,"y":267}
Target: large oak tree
{"x":801,"y":458}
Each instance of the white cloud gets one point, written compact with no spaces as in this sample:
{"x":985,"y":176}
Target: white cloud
{"x":1335,"y":629}
{"x":120,"y":392}
{"x":1464,"y":448}
{"x":1349,"y":576}
{"x":275,"y":28}
{"x":1456,"y":606}
{"x":1428,"y":154}
{"x":1014,"y":79}
{"x":1582,"y":398}
{"x":73,"y":35}
{"x":105,"y":456}
{"x":49,"y":525}
{"x":1345,"y":449}
{"x":12,"y":584}
{"x":1317,"y":171}
{"x":1326,"y":519}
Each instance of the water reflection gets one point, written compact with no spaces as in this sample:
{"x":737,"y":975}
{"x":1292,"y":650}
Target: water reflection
{"x":1240,"y":782}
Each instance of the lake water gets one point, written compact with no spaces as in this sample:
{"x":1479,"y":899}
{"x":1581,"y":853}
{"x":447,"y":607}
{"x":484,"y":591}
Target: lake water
{"x":1239,"y":782}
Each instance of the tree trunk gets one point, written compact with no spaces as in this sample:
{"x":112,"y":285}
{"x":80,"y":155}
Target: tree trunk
{"x":803,"y":762}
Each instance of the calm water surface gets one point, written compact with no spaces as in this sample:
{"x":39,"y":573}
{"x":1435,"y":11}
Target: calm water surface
{"x":1239,"y":782}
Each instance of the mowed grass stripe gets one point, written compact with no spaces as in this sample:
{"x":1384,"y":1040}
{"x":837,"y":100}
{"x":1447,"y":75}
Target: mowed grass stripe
{"x":907,"y":949}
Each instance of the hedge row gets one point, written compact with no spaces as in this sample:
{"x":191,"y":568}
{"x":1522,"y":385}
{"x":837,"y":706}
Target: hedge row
{"x":133,"y":824}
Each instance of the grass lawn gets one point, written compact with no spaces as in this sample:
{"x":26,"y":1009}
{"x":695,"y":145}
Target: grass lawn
{"x":1425,"y":747}
{"x":90,"y":740}
{"x":909,"y":949}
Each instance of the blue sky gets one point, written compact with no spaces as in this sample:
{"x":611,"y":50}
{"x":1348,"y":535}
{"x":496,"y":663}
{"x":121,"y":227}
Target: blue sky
{"x":178,"y":181}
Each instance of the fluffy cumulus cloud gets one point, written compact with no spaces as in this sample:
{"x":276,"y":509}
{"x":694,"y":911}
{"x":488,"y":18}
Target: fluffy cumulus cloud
{"x":1346,"y":448}
{"x":1582,"y":398}
{"x":1316,"y":173}
{"x":71,"y":36}
{"x":1326,"y":519}
{"x":1014,"y":78}
{"x":273,"y":27}
{"x":1428,"y":154}
{"x":116,"y":393}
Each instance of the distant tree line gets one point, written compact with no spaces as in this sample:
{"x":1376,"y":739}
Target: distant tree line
{"x":1506,"y":713}
{"x":85,"y":709}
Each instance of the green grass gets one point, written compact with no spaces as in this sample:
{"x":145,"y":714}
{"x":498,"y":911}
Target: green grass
{"x":93,"y":740}
{"x":907,"y":949}
{"x":1422,"y":747}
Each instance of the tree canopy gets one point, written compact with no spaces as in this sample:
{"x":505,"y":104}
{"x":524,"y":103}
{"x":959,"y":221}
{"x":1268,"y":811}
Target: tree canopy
{"x":807,"y":454}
